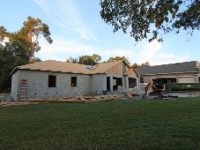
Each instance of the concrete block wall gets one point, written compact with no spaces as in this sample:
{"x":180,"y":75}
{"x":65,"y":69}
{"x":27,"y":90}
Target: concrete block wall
{"x":38,"y":84}
{"x":125,"y":82}
{"x":98,"y":83}
{"x":15,"y":85}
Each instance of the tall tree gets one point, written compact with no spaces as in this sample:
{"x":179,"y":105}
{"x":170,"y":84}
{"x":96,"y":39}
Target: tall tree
{"x":31,"y":31}
{"x":154,"y":17}
{"x":20,"y":47}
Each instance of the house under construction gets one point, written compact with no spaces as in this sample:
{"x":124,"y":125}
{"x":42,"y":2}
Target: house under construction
{"x":54,"y":79}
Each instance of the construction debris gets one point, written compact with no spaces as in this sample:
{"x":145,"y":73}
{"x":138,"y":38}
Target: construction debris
{"x":9,"y":104}
{"x":78,"y":99}
{"x":131,"y":92}
{"x":83,"y":99}
{"x":5,"y":97}
{"x":122,"y":94}
{"x":135,"y":92}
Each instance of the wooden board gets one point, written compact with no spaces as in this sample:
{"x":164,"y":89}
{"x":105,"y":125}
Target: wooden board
{"x":88,"y":99}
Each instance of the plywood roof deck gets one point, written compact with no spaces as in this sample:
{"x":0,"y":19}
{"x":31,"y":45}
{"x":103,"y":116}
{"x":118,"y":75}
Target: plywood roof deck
{"x":66,"y":67}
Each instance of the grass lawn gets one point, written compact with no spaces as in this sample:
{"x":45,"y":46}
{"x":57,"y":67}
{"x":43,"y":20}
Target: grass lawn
{"x":135,"y":124}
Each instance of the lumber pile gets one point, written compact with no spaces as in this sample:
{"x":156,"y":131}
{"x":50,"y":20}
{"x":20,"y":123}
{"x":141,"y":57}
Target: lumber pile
{"x":59,"y":100}
{"x":78,"y":99}
{"x":106,"y":98}
{"x":87,"y":99}
{"x":9,"y":104}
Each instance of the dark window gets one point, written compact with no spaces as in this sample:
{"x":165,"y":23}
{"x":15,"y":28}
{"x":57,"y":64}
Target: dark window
{"x":73,"y":81}
{"x":116,"y":82}
{"x":52,"y":81}
{"x":108,"y":83}
{"x":168,"y":80}
{"x":132,"y":82}
{"x":141,"y":80}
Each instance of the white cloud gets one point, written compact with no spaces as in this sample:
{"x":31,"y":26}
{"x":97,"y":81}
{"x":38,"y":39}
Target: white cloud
{"x":61,"y":49}
{"x":66,"y":15}
{"x":153,"y":53}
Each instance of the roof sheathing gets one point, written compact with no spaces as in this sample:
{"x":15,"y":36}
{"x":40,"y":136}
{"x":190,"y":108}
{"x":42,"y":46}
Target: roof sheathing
{"x":113,"y":66}
{"x":65,"y":67}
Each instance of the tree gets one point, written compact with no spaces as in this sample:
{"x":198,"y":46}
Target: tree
{"x":135,"y":65}
{"x":30,"y":34}
{"x":145,"y":64}
{"x":12,"y":55}
{"x":138,"y":16}
{"x":3,"y":33}
{"x":35,"y":59}
{"x":96,"y":58}
{"x":87,"y":60}
{"x":20,"y":48}
{"x":117,"y":58}
{"x":31,"y":31}
{"x":72,"y":60}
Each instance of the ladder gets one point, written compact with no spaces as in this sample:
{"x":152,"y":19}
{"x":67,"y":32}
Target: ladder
{"x":23,"y":93}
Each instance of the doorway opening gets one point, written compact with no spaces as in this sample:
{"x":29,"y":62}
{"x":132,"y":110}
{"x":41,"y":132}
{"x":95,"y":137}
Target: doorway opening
{"x":132,"y":82}
{"x":108,"y":83}
{"x":116,"y":83}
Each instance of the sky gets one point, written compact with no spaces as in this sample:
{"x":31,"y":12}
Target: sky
{"x":77,"y":29}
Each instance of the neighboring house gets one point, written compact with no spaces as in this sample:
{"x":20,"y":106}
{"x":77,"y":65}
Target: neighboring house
{"x":50,"y":79}
{"x":185,"y":72}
